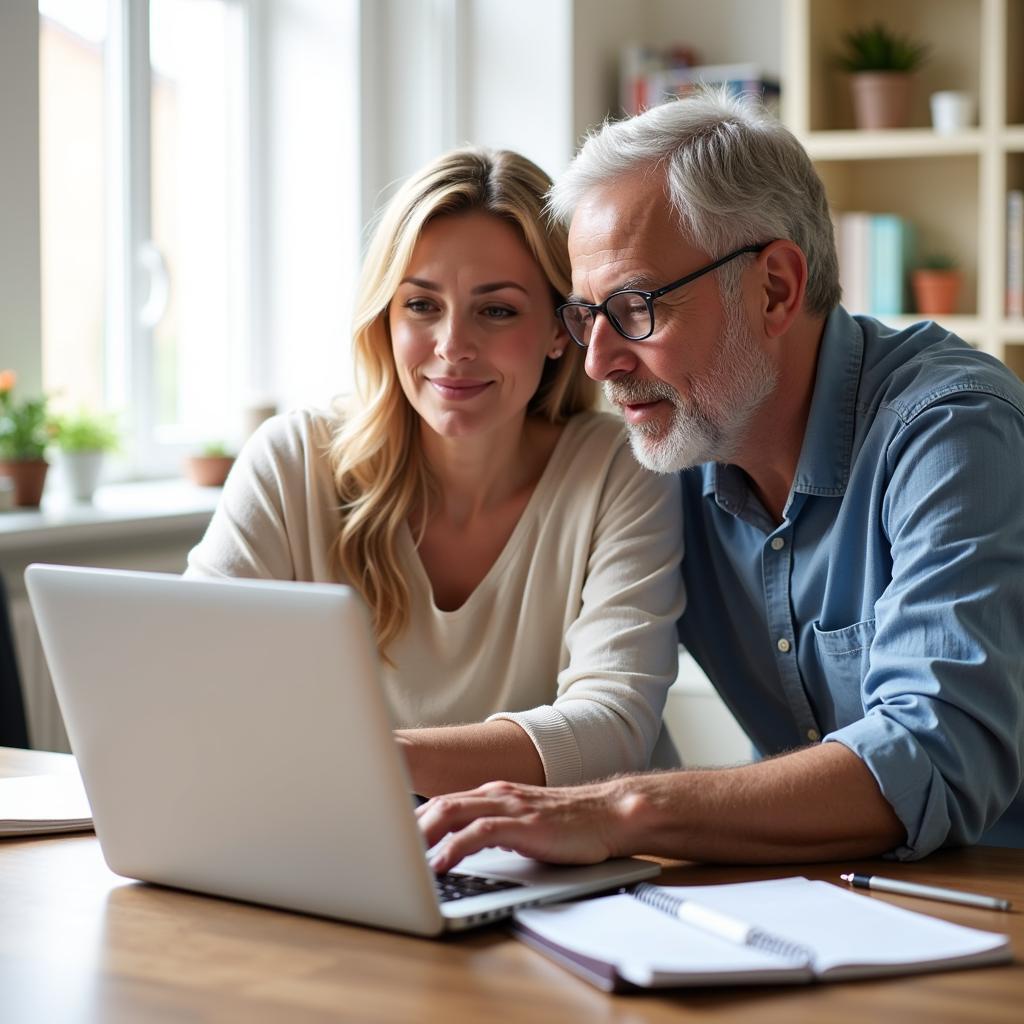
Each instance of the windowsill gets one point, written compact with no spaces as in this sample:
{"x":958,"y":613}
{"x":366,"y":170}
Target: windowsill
{"x":117,"y":511}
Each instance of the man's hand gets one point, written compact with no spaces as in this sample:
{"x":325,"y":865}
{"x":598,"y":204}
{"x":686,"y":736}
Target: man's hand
{"x":819,"y":803}
{"x":570,"y":825}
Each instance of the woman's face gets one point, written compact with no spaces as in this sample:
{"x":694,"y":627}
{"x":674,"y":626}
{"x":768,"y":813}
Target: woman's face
{"x":472,"y":323}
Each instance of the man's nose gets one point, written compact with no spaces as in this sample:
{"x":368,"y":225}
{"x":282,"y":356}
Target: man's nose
{"x":609,"y":354}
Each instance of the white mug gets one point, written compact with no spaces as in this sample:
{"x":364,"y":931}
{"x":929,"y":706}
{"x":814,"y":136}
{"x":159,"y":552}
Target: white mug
{"x":952,"y":111}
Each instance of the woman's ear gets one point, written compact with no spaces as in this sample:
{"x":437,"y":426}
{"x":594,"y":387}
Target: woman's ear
{"x":783,"y":284}
{"x":560,"y":340}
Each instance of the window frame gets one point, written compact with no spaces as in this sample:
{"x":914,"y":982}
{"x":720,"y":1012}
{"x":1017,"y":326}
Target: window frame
{"x":133,"y":261}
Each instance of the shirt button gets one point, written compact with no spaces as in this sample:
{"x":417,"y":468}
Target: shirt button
{"x":813,"y":735}
{"x":783,"y":645}
{"x":778,"y":543}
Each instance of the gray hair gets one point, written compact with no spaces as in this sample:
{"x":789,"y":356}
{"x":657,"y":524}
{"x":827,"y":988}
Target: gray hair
{"x":734,"y":176}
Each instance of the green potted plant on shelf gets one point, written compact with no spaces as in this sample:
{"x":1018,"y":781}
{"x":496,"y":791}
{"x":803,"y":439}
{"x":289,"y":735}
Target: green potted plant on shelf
{"x":24,"y":435}
{"x":881,"y":64}
{"x":83,"y":440}
{"x":211,"y":466}
{"x":936,"y":285}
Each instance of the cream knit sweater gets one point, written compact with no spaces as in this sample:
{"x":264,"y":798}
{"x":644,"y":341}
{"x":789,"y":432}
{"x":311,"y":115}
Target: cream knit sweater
{"x":571,"y":634}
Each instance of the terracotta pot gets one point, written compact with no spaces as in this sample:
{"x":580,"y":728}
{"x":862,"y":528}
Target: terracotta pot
{"x":936,"y":291}
{"x":881,"y":99}
{"x":208,"y":470}
{"x":28,"y":477}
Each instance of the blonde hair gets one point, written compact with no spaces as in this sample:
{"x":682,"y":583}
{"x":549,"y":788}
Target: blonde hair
{"x":379,"y":469}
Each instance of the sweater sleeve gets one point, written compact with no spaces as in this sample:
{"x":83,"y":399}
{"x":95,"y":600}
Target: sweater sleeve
{"x":248,"y":535}
{"x":623,"y":649}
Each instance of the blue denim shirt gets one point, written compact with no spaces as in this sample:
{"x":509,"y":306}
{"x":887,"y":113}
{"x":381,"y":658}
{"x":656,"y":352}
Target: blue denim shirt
{"x":886,"y":611}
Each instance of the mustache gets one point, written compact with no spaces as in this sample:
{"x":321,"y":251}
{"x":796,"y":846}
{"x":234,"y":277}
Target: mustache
{"x":637,"y":391}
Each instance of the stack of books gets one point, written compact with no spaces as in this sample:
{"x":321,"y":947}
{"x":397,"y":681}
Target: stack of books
{"x":876,"y":251}
{"x":651,"y":76}
{"x":1015,"y":252}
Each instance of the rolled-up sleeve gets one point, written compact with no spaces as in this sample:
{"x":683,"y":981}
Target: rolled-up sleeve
{"x":943,"y":694}
{"x":622,"y":644}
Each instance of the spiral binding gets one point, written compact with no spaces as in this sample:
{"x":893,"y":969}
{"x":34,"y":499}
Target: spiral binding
{"x":668,"y":903}
{"x":657,"y":898}
{"x":779,"y":946}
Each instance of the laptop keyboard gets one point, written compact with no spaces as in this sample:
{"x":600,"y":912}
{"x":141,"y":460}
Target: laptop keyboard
{"x":459,"y":887}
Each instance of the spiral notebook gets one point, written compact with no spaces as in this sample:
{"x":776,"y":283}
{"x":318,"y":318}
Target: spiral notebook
{"x":618,"y":943}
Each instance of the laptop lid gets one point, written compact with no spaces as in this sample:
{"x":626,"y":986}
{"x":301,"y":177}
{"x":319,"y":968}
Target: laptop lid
{"x":234,"y":739}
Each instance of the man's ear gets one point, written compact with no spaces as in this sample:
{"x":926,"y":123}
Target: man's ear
{"x":783,"y":284}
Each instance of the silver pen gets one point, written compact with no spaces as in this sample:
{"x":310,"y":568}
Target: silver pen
{"x":929,"y":892}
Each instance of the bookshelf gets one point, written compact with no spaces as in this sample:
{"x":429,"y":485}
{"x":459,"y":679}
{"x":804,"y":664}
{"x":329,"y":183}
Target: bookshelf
{"x":953,"y":187}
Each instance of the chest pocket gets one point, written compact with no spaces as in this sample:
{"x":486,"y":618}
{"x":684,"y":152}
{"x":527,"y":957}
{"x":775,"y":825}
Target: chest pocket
{"x":843,"y":655}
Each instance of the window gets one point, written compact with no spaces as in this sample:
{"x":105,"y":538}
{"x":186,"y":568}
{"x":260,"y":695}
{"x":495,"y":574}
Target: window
{"x":145,"y":175}
{"x":72,"y":40}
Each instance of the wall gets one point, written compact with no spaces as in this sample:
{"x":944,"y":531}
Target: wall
{"x":20,"y":326}
{"x":310,"y":179}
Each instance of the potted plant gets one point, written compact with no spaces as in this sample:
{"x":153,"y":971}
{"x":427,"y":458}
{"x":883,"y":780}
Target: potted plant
{"x":936,"y":285}
{"x":83,"y":440}
{"x":211,"y":466}
{"x":24,"y":435}
{"x":881,"y":64}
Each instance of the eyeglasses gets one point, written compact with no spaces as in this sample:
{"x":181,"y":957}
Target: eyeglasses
{"x":631,"y":311}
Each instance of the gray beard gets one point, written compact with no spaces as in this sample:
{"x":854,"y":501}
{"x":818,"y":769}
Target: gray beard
{"x":712,"y":424}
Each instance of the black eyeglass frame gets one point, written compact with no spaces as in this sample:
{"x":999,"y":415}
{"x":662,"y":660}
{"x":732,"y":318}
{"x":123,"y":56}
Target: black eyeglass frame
{"x":648,"y":297}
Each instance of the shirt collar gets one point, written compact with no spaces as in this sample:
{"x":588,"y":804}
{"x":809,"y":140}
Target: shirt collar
{"x":824,"y":464}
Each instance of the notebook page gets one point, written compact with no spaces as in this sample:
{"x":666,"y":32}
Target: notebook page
{"x":645,"y":944}
{"x":846,"y":929}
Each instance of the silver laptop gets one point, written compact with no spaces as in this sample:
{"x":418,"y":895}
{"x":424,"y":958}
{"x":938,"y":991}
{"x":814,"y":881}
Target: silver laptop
{"x":234,"y":739}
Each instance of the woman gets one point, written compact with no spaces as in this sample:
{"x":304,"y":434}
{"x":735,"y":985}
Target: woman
{"x":520,"y":567}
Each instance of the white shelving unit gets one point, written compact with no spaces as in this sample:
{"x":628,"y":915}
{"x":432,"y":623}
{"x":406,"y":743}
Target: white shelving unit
{"x":952,"y":187}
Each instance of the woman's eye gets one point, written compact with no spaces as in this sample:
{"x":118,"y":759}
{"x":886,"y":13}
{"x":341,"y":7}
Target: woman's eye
{"x":420,"y":306}
{"x":498,"y":312}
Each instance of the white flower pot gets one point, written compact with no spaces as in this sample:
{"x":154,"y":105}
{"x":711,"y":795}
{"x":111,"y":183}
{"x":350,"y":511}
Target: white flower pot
{"x":80,"y":472}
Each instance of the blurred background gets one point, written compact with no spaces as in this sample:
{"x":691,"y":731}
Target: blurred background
{"x":186,"y":185}
{"x":197,"y":176}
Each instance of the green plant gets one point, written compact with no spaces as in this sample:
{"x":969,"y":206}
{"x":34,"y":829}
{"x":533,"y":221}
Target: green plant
{"x":24,"y":427}
{"x":215,"y":450}
{"x":938,"y":261}
{"x":876,"y":48}
{"x":86,"y":432}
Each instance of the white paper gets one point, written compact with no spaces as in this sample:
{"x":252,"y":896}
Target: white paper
{"x":42,"y":803}
{"x":854,"y":933}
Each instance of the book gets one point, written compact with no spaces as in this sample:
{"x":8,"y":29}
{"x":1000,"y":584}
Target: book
{"x":889,"y":264}
{"x":618,"y":943}
{"x":854,"y":248}
{"x":652,"y":75}
{"x":1015,"y":252}
{"x":36,"y":804}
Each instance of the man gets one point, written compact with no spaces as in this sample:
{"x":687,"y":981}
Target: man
{"x":854,"y":519}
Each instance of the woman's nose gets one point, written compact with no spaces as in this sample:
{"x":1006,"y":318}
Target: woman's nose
{"x":456,"y":341}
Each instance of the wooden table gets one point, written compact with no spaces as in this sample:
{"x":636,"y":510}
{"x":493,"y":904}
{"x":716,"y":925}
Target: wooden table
{"x":78,"y":943}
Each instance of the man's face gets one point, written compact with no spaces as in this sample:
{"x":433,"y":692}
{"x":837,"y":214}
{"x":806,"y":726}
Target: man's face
{"x":689,"y":392}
